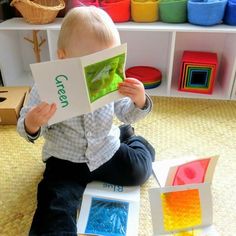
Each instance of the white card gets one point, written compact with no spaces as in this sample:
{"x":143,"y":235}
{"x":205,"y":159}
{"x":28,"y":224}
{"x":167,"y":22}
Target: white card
{"x":115,"y":207}
{"x":81,"y":85}
{"x":180,"y":208}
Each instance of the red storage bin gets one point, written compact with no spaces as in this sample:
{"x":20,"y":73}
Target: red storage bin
{"x":119,"y":10}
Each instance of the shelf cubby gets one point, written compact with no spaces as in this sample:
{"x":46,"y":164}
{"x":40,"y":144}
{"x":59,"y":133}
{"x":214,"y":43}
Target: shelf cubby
{"x":156,"y":44}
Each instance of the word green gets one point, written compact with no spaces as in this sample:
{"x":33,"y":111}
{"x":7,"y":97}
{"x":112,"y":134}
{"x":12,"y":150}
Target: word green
{"x":61,"y":90}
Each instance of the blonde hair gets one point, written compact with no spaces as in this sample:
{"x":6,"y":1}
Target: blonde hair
{"x":83,"y":22}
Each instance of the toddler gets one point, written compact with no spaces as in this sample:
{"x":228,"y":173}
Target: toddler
{"x":87,"y":147}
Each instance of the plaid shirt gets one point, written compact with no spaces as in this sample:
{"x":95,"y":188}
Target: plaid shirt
{"x":90,"y":138}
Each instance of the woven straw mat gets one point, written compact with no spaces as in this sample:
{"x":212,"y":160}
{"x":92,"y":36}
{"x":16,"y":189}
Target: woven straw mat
{"x":177,"y":127}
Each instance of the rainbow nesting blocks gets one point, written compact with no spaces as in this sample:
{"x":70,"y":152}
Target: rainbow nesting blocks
{"x":198,"y":72}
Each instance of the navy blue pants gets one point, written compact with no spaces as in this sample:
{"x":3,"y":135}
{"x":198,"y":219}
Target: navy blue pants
{"x":63,"y":184}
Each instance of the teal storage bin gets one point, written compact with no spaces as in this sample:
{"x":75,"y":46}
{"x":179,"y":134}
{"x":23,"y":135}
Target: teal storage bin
{"x":173,"y":11}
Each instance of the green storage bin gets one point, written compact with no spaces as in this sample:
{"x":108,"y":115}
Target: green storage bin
{"x":173,"y":11}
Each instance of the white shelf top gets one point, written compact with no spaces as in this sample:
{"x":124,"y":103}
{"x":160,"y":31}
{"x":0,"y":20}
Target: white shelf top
{"x":218,"y":93}
{"x":20,"y":24}
{"x":165,"y":27}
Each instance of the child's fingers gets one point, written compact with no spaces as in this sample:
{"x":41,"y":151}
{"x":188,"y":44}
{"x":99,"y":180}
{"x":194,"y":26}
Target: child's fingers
{"x":132,"y":83}
{"x":130,"y":95}
{"x":44,"y":111}
{"x":48,"y":111}
{"x":132,"y":80}
{"x":52,"y":110}
{"x":129,"y":90}
{"x":128,"y":85}
{"x":40,"y":107}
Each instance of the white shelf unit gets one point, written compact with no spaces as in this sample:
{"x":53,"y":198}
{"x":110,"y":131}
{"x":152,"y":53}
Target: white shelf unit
{"x":233,"y":95}
{"x":153,"y":44}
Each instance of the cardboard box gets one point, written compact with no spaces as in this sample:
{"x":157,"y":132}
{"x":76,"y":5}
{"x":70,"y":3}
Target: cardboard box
{"x":11,"y":102}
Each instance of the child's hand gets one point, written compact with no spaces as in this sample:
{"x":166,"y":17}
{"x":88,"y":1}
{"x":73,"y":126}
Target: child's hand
{"x":134,"y":89}
{"x":39,"y":116}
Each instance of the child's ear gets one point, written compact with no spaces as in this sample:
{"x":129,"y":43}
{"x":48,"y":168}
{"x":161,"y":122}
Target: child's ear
{"x":61,"y":54}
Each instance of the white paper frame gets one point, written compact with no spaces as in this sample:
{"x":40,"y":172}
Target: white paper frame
{"x":205,"y":231}
{"x":165,"y":170}
{"x":129,"y":194}
{"x":157,"y":210}
{"x":209,"y":172}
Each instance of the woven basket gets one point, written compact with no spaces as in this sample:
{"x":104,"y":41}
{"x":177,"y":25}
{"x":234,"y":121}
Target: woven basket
{"x":39,"y":11}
